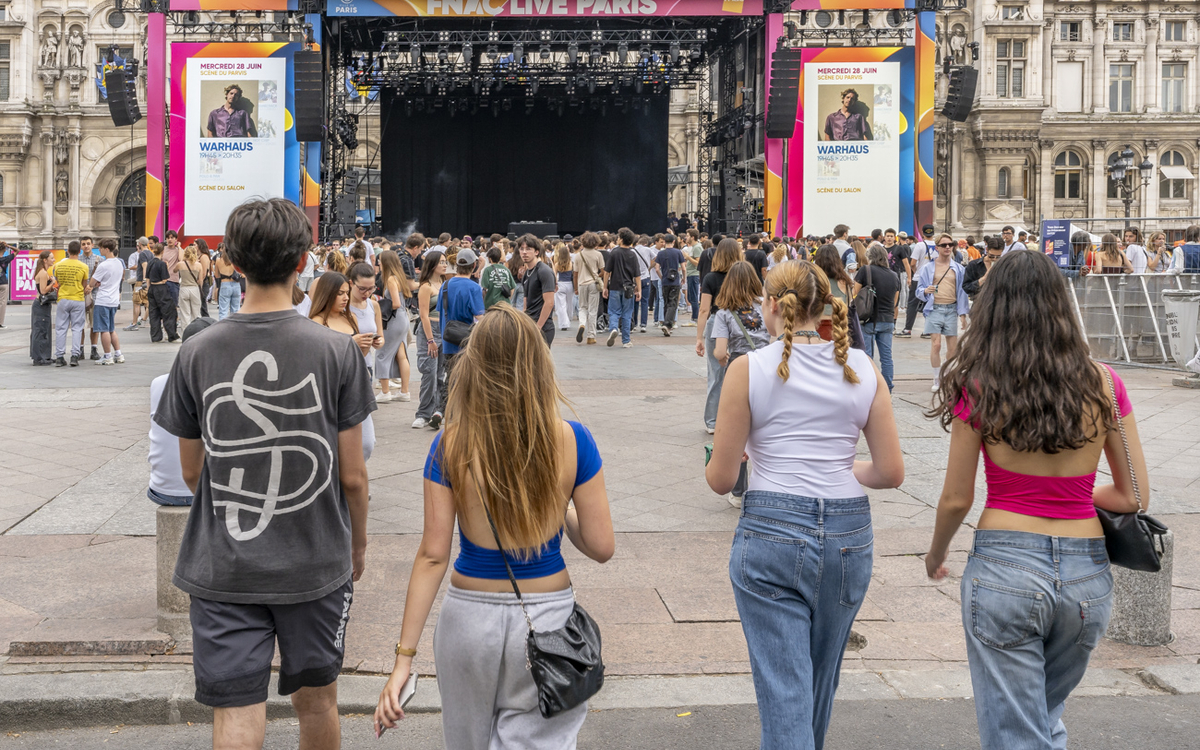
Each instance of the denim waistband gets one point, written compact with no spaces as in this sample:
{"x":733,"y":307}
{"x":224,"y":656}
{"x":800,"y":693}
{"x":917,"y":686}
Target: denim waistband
{"x":508,"y":597}
{"x":936,"y":305}
{"x":827,"y":506}
{"x":1067,"y":545}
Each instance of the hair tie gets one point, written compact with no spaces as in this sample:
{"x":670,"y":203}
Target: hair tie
{"x":828,"y":298}
{"x":786,"y":292}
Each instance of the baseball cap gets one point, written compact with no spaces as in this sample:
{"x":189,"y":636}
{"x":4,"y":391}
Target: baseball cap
{"x":466,"y":257}
{"x":567,"y":238}
{"x":903,"y":235}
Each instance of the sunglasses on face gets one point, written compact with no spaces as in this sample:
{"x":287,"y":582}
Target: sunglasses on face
{"x":945,"y":244}
{"x":992,"y":257}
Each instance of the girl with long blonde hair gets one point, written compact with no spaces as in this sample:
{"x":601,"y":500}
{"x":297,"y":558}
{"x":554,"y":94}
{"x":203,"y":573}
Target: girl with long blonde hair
{"x":391,"y":361}
{"x":564,"y":291}
{"x":506,"y":461}
{"x":191,"y":278}
{"x":802,"y":553}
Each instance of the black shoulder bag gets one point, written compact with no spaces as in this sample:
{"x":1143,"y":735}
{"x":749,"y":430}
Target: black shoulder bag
{"x":456,"y":331}
{"x":565,"y":663}
{"x":864,"y":301}
{"x":1133,"y":540}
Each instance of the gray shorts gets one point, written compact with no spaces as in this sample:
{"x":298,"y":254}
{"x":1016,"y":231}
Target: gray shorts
{"x":942,"y":319}
{"x":233,"y":645}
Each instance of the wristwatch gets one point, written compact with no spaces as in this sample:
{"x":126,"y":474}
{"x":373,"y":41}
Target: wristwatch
{"x":401,"y":651}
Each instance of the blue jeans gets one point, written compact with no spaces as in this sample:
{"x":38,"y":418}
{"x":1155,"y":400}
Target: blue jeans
{"x":881,"y":333}
{"x":170,"y":500}
{"x":716,"y":376}
{"x":800,"y":568}
{"x":229,"y":299}
{"x":693,"y":293}
{"x":620,"y":310}
{"x":1033,"y":608}
{"x":645,"y":301}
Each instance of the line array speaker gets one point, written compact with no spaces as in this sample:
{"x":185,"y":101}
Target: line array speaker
{"x":122,"y":97}
{"x":961,"y":93}
{"x":784,"y":94}
{"x":310,"y":95}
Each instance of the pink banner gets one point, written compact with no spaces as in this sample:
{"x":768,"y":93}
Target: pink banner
{"x":543,"y":8}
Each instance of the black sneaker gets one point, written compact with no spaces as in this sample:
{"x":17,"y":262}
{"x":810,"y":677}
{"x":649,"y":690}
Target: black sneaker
{"x":612,"y":337}
{"x":95,"y":354}
{"x":42,"y":362}
{"x":75,"y":360}
{"x":60,"y":362}
{"x":579,"y":335}
{"x":924,"y":335}
{"x":436,"y":420}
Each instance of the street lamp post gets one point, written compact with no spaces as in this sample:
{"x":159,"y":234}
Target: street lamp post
{"x":1122,"y":174}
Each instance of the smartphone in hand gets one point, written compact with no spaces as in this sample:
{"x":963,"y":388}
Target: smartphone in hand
{"x":406,"y":694}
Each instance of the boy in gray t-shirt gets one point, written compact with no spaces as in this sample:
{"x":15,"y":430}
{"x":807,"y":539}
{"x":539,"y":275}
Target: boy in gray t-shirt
{"x":268,"y":408}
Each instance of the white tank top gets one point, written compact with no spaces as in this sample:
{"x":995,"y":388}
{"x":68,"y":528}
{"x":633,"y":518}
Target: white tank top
{"x":804,"y":433}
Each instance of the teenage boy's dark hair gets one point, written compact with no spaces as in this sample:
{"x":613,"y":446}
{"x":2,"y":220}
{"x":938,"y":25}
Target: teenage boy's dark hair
{"x":73,"y":247}
{"x":267,"y":239}
{"x":626,"y":236}
{"x":416,"y":239}
{"x":172,"y":233}
{"x":528,"y":240}
{"x":494,"y":254}
{"x":110,"y":245}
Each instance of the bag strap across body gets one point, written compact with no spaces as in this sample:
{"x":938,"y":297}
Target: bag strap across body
{"x":504,"y":556}
{"x":738,"y":319}
{"x":1112,"y":389}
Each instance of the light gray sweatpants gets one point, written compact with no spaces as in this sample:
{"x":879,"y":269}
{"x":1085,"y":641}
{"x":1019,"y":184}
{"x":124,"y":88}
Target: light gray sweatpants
{"x":489,"y":700}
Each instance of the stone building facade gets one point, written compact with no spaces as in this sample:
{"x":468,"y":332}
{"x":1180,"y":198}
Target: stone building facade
{"x":1064,"y":87}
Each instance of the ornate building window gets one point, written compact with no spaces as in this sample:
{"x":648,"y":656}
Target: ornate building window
{"x":1070,"y":31}
{"x":1123,"y":31}
{"x":1010,"y":68}
{"x":1012,"y":12}
{"x":1,"y":190}
{"x":5,"y":69}
{"x":1003,"y":178}
{"x":1120,"y":87}
{"x":1068,"y":175}
{"x":1174,"y":86}
{"x":1174,"y":31}
{"x":1172,"y":187}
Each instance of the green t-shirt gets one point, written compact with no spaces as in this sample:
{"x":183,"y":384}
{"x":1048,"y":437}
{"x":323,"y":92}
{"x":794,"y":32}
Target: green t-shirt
{"x":493,"y":279}
{"x":693,"y":269}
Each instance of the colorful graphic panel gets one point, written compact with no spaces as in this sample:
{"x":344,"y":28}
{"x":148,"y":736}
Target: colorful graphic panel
{"x":234,"y":4}
{"x":544,"y":8}
{"x":232,"y":134}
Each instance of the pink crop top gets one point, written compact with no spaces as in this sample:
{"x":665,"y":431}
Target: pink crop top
{"x":1044,"y":497}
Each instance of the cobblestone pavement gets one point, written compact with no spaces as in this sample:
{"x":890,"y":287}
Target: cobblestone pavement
{"x":77,"y":557}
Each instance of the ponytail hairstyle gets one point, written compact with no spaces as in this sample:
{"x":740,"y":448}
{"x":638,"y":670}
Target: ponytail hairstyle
{"x":779,"y":253}
{"x":801,"y":290}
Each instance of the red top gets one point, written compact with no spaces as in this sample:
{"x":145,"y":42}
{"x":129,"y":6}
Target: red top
{"x":1041,"y":496}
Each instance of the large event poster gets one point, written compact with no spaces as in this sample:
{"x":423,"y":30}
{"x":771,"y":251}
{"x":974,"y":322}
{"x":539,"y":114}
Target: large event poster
{"x":851,"y":143}
{"x":232,"y":132}
{"x":235,"y":127}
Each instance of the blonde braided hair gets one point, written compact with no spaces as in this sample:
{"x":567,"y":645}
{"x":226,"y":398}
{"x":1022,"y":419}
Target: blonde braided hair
{"x":801,"y":290}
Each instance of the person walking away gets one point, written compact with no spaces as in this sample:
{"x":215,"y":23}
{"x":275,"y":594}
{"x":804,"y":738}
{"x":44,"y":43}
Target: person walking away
{"x":940,"y":288}
{"x":539,"y":284}
{"x":40,"y":317}
{"x":71,"y":276}
{"x":755,"y":255}
{"x":460,"y":299}
{"x":564,"y":293}
{"x":726,"y":255}
{"x":190,"y":278}
{"x":738,"y":329}
{"x":645,"y":259}
{"x":391,"y":362}
{"x":694,"y":250}
{"x":431,"y":361}
{"x":622,"y":287}
{"x":7,"y":255}
{"x":877,"y":329}
{"x":105,"y":285}
{"x":166,"y":485}
{"x":204,"y":257}
{"x":311,"y":261}
{"x":921,"y":253}
{"x":589,"y":279}
{"x":976,"y":271}
{"x":494,"y":409}
{"x":162,"y":303}
{"x":1139,"y":259}
{"x":840,"y":285}
{"x":778,"y":254}
{"x":1037,"y":588}
{"x":367,"y":316}
{"x":496,"y":281}
{"x":1186,"y":258}
{"x":670,"y":264}
{"x":656,"y":297}
{"x":801,"y":558}
{"x":331,"y":308}
{"x":229,"y":289}
{"x":1109,"y":259}
{"x":257,"y":577}
{"x":516,"y":267}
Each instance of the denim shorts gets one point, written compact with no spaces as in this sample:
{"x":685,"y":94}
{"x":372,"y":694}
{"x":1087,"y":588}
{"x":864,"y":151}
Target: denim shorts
{"x":943,"y":320}
{"x":103,"y":319}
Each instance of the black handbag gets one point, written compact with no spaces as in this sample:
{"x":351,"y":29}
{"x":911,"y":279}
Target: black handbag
{"x":565,"y":663}
{"x":864,"y":301}
{"x":456,"y":331}
{"x":1133,"y":540}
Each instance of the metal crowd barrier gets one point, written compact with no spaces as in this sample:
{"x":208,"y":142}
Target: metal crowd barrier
{"x":1123,"y":316}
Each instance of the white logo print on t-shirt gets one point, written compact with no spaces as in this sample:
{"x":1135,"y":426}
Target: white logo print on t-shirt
{"x":274,"y":472}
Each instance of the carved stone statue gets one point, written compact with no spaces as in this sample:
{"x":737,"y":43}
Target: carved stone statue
{"x":937,"y":43}
{"x":958,"y":44}
{"x":942,"y":180}
{"x":60,"y":186}
{"x":75,"y":49}
{"x":49,"y":52}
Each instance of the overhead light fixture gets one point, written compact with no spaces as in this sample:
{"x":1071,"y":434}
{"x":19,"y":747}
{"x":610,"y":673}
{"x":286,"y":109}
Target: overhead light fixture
{"x":595,"y":53}
{"x":443,"y":53}
{"x":544,"y":52}
{"x":518,"y":52}
{"x":573,"y":53}
{"x":493,"y":52}
{"x":695,"y":52}
{"x":675,"y":53}
{"x":645,"y":52}
{"x":467,"y":51}
{"x":622,"y":52}
{"x":414,"y":54}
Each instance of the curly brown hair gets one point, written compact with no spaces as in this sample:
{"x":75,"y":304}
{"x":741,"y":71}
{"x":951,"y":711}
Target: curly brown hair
{"x":1023,"y":368}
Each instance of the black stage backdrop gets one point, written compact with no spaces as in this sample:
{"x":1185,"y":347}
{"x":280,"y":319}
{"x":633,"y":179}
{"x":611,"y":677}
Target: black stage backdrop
{"x":473,"y":174}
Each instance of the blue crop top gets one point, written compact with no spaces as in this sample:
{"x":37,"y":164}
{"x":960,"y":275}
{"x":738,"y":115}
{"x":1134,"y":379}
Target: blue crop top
{"x":481,"y":562}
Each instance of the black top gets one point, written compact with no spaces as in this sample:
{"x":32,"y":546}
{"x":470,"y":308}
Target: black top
{"x":974,"y":271}
{"x":144,"y":258}
{"x":887,"y":284}
{"x":622,"y":267}
{"x":156,"y":271}
{"x":897,"y":254}
{"x":712,"y":285}
{"x":538,"y":281}
{"x":757,"y":258}
{"x":704,"y":265}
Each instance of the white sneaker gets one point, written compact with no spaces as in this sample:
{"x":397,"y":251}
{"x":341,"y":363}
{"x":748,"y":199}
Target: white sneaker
{"x":383,"y":398}
{"x":104,"y":361}
{"x":642,"y":329}
{"x":935,"y":387}
{"x":734,"y":500}
{"x":627,"y":346}
{"x":710,"y":430}
{"x":396,"y":382}
{"x":436,"y":420}
{"x":419,"y":422}
{"x":401,"y":396}
{"x":612,"y":337}
{"x":120,"y":360}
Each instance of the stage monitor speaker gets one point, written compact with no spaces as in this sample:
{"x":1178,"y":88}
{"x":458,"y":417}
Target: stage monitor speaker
{"x":784,"y":94}
{"x":961,"y":94}
{"x":310,"y":95}
{"x":122,"y":97}
{"x":537,"y":229}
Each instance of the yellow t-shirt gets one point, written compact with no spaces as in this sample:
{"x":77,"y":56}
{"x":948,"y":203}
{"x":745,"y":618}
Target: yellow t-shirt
{"x":71,"y":275}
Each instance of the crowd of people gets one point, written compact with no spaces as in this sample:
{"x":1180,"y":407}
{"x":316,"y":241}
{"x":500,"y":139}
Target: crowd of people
{"x":788,"y":328}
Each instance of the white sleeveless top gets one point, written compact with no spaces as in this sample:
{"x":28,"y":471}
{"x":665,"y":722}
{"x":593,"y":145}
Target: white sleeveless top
{"x":804,"y":433}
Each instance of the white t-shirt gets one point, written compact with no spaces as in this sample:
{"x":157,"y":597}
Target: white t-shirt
{"x":108,"y":274}
{"x":131,"y":264}
{"x":1016,"y":245}
{"x":922,"y":251}
{"x":645,"y":259}
{"x":166,"y":472}
{"x":1138,"y":257}
{"x":304,"y":307}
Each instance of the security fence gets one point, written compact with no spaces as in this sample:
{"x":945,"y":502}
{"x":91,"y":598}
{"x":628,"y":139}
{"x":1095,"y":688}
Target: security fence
{"x":1123,"y":316}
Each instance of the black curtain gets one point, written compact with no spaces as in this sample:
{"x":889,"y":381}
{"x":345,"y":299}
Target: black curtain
{"x":473,"y":174}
